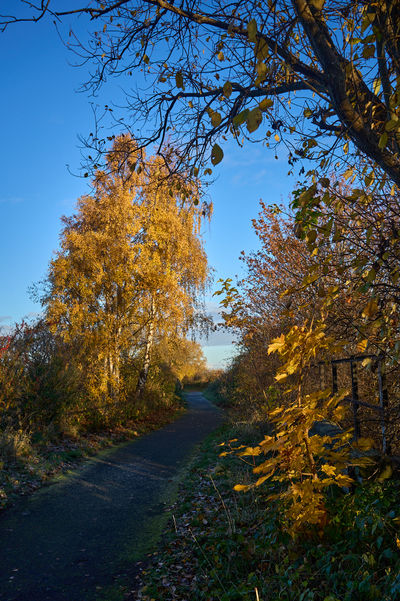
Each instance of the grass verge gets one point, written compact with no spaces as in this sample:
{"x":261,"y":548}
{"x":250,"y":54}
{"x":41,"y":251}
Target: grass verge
{"x":37,"y":462}
{"x":226,"y":546}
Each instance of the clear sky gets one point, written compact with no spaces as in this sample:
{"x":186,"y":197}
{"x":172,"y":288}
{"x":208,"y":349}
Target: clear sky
{"x":42,"y":114}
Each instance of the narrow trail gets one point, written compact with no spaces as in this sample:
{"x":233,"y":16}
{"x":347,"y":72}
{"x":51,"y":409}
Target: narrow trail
{"x":73,"y":539}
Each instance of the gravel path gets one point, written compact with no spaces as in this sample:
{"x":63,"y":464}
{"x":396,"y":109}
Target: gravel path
{"x":73,"y":539}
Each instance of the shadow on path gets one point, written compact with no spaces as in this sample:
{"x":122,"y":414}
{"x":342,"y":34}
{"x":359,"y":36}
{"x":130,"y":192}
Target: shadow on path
{"x":66,"y":541}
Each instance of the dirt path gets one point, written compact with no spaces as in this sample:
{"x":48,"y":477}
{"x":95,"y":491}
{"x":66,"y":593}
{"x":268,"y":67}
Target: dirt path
{"x":75,"y":539}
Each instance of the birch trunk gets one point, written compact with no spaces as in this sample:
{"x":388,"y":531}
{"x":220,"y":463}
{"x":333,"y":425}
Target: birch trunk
{"x":144,"y":372}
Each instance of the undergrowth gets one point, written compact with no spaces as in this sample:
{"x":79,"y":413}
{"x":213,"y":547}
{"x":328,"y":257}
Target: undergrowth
{"x":229,"y":546}
{"x":30,"y":460}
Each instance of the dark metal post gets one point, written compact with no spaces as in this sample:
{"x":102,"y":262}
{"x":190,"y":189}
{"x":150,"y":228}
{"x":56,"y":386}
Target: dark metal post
{"x":354,"y":398}
{"x":334,"y":378}
{"x":383,"y":403}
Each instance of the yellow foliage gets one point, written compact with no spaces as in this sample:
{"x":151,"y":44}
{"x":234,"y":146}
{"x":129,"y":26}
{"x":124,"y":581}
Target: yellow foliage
{"x":131,"y":265}
{"x":295,"y":457}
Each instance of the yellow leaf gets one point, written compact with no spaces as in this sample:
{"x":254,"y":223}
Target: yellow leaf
{"x":330,"y":470}
{"x":377,"y":86}
{"x":263,"y":479}
{"x":362,"y":346}
{"x":369,"y":178}
{"x":250,"y":452}
{"x":343,"y":480}
{"x":370,"y":309}
{"x":276,"y":344}
{"x":364,"y":444}
{"x":240,"y":487}
{"x":265,"y":104}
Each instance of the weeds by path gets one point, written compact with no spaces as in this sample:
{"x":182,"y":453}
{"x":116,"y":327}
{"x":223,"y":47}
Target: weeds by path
{"x":228,"y":546}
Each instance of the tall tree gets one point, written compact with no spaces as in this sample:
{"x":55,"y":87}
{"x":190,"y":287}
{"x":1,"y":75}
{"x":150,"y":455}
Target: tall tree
{"x":131,"y":265}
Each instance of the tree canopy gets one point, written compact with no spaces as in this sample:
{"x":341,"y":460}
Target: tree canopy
{"x":322,"y":76}
{"x":130,"y":269}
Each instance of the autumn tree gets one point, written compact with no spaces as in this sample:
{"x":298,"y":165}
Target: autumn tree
{"x":130,"y":268}
{"x":175,"y":262}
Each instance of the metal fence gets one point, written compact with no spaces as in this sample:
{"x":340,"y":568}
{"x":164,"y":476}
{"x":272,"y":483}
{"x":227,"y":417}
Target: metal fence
{"x":381,"y":409}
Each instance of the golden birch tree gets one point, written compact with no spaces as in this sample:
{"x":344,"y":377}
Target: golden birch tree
{"x":130,"y":267}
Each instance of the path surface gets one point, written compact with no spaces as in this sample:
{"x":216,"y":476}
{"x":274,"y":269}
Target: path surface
{"x":71,"y":540}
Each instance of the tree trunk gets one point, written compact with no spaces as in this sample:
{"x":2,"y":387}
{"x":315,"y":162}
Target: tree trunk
{"x":144,"y":372}
{"x":113,"y":376}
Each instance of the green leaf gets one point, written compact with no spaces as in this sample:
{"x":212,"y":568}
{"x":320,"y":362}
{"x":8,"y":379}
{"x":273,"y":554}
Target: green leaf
{"x":311,"y":236}
{"x":252,"y":30}
{"x":261,"y":50}
{"x":254,"y":120}
{"x":179,"y":80}
{"x":215,"y":119}
{"x":392,"y":124}
{"x":386,"y":473}
{"x":241,"y":117}
{"x":368,"y":51}
{"x":217,"y":154}
{"x":227,"y":89}
{"x":262,"y":70}
{"x":369,"y":178}
{"x":383,"y":140}
{"x":307,"y":195}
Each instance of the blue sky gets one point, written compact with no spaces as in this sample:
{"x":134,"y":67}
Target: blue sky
{"x":42,"y":116}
